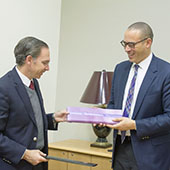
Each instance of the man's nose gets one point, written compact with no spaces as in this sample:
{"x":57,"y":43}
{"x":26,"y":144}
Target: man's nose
{"x":127,"y":48}
{"x":47,"y":68}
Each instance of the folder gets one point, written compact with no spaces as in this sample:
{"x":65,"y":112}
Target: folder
{"x":93,"y":115}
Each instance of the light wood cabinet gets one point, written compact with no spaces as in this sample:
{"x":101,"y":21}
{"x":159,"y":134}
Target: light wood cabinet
{"x":103,"y":163}
{"x":57,"y":165}
{"x":79,"y":150}
{"x":79,"y":157}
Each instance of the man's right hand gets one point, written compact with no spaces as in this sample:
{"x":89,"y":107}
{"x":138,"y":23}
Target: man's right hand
{"x":34,"y":156}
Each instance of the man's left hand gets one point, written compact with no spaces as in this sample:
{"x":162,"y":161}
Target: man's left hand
{"x":61,"y":116}
{"x":123,"y":124}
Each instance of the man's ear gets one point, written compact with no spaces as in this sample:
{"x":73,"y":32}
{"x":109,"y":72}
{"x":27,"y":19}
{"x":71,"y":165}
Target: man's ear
{"x":149,"y":42}
{"x":28,"y":59}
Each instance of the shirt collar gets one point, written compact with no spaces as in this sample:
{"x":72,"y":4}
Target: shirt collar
{"x":145,"y":63}
{"x":25,"y":80}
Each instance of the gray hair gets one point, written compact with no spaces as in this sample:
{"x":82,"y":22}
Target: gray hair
{"x":28,"y":46}
{"x":145,"y":29}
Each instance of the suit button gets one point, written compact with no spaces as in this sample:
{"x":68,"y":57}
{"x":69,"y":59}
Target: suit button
{"x":35,"y":139}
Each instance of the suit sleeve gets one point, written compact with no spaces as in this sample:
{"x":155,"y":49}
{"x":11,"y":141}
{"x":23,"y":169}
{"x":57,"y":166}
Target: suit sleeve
{"x":50,"y":122}
{"x":52,"y":125}
{"x":9,"y":149}
{"x":160,"y":123}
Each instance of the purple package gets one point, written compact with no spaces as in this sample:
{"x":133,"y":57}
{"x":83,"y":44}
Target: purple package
{"x":92,"y":115}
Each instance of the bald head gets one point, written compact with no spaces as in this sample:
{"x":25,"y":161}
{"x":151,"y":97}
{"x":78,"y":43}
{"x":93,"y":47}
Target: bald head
{"x":145,"y":29}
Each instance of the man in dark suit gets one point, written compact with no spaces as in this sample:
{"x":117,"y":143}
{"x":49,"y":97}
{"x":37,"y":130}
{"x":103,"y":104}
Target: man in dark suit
{"x":141,"y":88}
{"x":23,"y":122}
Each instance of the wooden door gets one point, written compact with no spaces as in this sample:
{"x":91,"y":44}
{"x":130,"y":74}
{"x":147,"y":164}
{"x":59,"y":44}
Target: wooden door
{"x":103,"y":163}
{"x":57,"y":165}
{"x":78,"y":157}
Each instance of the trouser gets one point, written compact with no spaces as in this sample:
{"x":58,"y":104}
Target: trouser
{"x":38,"y":167}
{"x":124,"y":156}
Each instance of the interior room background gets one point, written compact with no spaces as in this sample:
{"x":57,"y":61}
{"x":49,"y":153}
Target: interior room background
{"x":84,"y":36}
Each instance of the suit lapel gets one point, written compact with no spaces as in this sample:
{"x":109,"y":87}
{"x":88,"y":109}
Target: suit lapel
{"x":149,"y":78}
{"x":23,"y":94}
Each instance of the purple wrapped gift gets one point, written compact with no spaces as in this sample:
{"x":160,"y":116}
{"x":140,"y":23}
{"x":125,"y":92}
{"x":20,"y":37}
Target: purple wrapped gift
{"x":92,"y":115}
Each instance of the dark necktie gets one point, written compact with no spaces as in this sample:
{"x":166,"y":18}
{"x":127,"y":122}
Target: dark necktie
{"x":129,"y":99}
{"x":31,"y":86}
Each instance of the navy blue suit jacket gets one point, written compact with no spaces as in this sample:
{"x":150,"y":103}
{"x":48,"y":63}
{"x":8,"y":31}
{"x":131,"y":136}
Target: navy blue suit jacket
{"x":17,"y":122}
{"x":151,"y":140}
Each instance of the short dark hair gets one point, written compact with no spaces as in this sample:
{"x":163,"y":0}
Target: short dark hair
{"x":28,"y":46}
{"x":146,"y":30}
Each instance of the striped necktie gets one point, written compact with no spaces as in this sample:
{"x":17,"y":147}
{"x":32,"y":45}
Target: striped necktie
{"x":129,"y":99}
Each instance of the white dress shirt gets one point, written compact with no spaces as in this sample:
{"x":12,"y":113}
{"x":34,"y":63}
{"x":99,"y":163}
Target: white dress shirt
{"x":26,"y":81}
{"x":143,"y":67}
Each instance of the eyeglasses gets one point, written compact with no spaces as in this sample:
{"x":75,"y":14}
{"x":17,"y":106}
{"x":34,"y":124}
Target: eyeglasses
{"x":131,"y":44}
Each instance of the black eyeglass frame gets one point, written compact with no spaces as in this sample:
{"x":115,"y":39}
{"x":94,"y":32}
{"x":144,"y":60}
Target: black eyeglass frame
{"x":131,"y":44}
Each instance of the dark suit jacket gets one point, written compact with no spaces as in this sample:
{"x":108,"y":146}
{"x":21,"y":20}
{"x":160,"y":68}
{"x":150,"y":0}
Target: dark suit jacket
{"x":17,"y":122}
{"x":151,"y":140}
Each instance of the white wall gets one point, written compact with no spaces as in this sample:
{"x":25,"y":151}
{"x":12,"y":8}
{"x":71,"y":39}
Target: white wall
{"x":89,"y":41}
{"x":39,"y":18}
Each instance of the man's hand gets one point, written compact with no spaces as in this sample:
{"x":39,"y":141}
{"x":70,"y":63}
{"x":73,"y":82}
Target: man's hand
{"x":34,"y":156}
{"x":61,"y":116}
{"x":124,"y":124}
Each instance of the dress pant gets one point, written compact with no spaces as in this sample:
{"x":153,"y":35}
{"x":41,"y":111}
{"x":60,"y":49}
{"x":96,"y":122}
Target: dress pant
{"x":124,"y":156}
{"x":38,"y":167}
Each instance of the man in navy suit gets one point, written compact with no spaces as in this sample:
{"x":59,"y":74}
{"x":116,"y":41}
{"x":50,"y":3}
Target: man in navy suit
{"x":23,"y":122}
{"x":146,"y":144}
